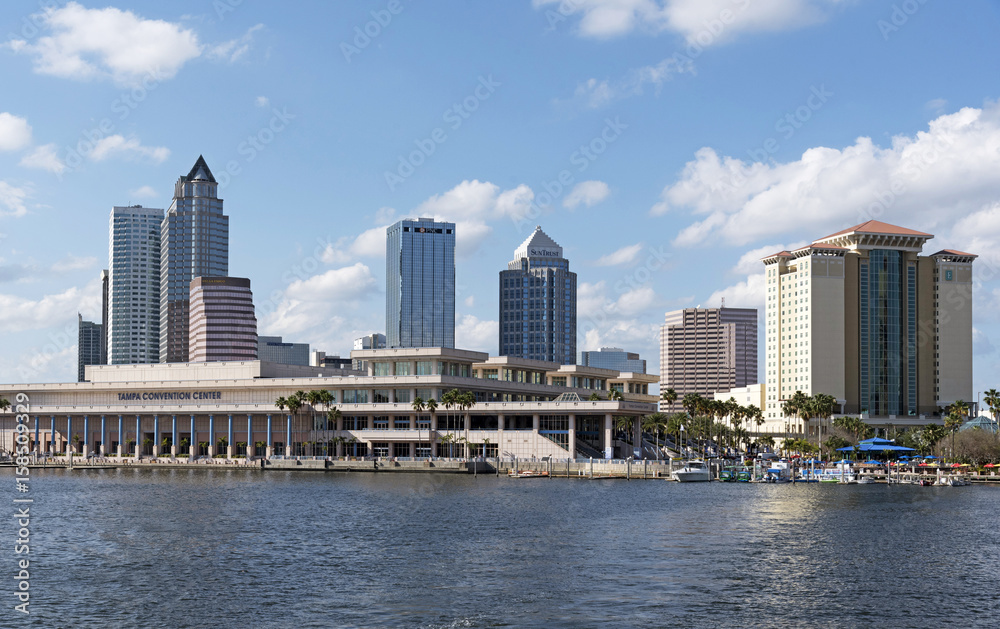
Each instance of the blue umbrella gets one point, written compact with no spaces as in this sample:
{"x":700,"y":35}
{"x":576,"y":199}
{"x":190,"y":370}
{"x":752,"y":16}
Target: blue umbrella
{"x":870,"y":462}
{"x":930,"y":456}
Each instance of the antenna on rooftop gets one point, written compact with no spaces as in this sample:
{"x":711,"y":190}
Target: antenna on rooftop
{"x":723,"y":302}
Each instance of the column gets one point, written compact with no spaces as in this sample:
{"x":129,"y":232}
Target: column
{"x":38,"y":446}
{"x":211,"y":436}
{"x":413,"y":450}
{"x":121,"y":441}
{"x":572,"y":436}
{"x":536,"y":422}
{"x":104,"y":436}
{"x":250,"y":447}
{"x":86,"y":436}
{"x":192,"y":451}
{"x":138,"y":432}
{"x":270,"y":447}
{"x":229,"y":439}
{"x":173,"y":436}
{"x":609,"y":423}
{"x":156,"y":436}
{"x":288,"y":435}
{"x":637,"y":435}
{"x":69,"y":435}
{"x":52,"y":435}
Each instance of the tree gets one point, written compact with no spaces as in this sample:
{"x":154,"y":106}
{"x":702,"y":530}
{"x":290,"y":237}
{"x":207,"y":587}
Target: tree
{"x":614,"y":395}
{"x":930,"y":436}
{"x":466,"y":402}
{"x":992,"y":399}
{"x":448,"y":400}
{"x":954,"y":420}
{"x":4,"y":405}
{"x":431,"y":406}
{"x":654,"y":423}
{"x":823,"y":406}
{"x":594,"y":397}
{"x":669,"y":396}
{"x":674,"y":426}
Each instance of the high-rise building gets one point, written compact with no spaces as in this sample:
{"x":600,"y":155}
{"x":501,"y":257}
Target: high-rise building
{"x":420,"y":284}
{"x":105,"y":287}
{"x":707,"y":351}
{"x":860,"y":315}
{"x":133,"y":310}
{"x":273,"y":349}
{"x":538,"y":303}
{"x":223,"y":324}
{"x":88,"y":346}
{"x":371,"y":341}
{"x":195,"y":243}
{"x":614,"y":358}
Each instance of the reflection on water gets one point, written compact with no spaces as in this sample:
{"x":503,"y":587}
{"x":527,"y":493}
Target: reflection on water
{"x":238,"y":548}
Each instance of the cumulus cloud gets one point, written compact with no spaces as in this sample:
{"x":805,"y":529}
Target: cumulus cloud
{"x":932,"y":178}
{"x":746,"y":294}
{"x":624,"y":256}
{"x":73,"y":263}
{"x":586,"y":193}
{"x":750,"y":262}
{"x":15,"y":132}
{"x":262,"y":101}
{"x":143,"y":192}
{"x":86,"y":43}
{"x":127,"y":147}
{"x":12,"y":200}
{"x":44,"y":157}
{"x":18,"y":314}
{"x":476,"y":334}
{"x":693,"y":19}
{"x":344,"y":284}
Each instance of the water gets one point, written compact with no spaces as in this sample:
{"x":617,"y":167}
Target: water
{"x":236,"y":548}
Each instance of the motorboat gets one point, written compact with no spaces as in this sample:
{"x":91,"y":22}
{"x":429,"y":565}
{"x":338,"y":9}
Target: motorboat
{"x":527,"y":474}
{"x":953,"y":480}
{"x":694,"y":471}
{"x":778,"y":472}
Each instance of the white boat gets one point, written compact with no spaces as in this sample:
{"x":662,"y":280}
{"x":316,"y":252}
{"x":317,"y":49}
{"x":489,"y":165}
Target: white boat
{"x":953,"y":480}
{"x":866,"y":480}
{"x":778,"y":472}
{"x":694,"y":471}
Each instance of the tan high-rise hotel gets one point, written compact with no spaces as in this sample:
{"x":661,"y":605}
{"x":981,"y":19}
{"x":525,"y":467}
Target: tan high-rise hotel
{"x":862,"y":316}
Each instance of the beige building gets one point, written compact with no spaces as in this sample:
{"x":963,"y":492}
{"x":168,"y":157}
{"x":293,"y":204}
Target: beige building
{"x":707,"y":350}
{"x":524,"y":408}
{"x":862,"y":316}
{"x":223,"y":323}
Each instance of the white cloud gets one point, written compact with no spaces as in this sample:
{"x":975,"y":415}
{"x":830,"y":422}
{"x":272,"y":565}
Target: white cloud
{"x":625,"y":255}
{"x":143,"y":192}
{"x":937,"y":105}
{"x":94,"y":43}
{"x":930,"y":179}
{"x":234,"y":49}
{"x":73,"y":263}
{"x":322,"y":306}
{"x":470,"y":301}
{"x":475,"y":334}
{"x":981,"y":344}
{"x":51,"y":363}
{"x":587,"y":193}
{"x":262,"y":101}
{"x":699,"y":21}
{"x":595,"y":94}
{"x":470,"y":205}
{"x":385,"y":216}
{"x":15,"y":132}
{"x":746,"y":294}
{"x":12,"y":200}
{"x":130,"y":148}
{"x":44,"y":157}
{"x":18,"y":314}
{"x":750,"y":262}
{"x":344,"y":284}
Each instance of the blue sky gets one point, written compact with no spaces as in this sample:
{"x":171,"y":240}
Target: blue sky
{"x":692,"y":137}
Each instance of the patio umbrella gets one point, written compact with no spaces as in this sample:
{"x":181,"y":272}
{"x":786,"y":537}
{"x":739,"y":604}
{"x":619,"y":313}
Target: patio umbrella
{"x":872,"y":462}
{"x":930,"y":456}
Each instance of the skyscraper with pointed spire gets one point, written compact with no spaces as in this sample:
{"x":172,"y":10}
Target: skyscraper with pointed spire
{"x":194,"y":239}
{"x":538,"y":303}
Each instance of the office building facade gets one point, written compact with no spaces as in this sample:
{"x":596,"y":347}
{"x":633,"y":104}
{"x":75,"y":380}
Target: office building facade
{"x":860,"y":315}
{"x":88,"y":345}
{"x":420,"y":284}
{"x":133,"y":310}
{"x":707,"y":351}
{"x":195,"y":243}
{"x":538,"y":303}
{"x":273,"y":349}
{"x":370,"y":341}
{"x":223,"y":324}
{"x":613,"y":358}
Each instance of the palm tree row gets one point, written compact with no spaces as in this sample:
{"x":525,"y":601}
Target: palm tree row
{"x":714,"y":410}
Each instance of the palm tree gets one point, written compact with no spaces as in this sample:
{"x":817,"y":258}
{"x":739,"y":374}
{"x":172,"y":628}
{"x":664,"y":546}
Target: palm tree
{"x":654,"y":423}
{"x":466,"y":401}
{"x":674,"y":426}
{"x":992,"y":399}
{"x":614,"y":395}
{"x":448,"y":400}
{"x":954,"y":420}
{"x":623,"y":423}
{"x":418,"y":407}
{"x":594,"y":397}
{"x":823,"y":405}
{"x":431,"y":406}
{"x":4,"y":405}
{"x":669,"y":396}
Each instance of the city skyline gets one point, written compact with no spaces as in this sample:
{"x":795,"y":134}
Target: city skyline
{"x":622,"y":136}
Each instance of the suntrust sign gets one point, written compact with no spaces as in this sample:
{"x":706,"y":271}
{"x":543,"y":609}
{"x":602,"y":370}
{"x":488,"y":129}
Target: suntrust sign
{"x":170,"y":396}
{"x":554,"y":253}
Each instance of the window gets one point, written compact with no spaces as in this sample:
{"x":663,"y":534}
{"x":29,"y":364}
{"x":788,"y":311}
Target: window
{"x":380,"y":396}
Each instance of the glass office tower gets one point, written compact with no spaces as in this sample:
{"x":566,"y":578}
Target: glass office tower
{"x":420,"y":284}
{"x":538,"y":303}
{"x":194,"y":243}
{"x":133,"y":310}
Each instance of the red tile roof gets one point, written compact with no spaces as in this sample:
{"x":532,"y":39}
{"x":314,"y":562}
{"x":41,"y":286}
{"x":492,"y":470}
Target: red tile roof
{"x":822,"y":246}
{"x":953,"y":252}
{"x":878,"y":227}
{"x":780,"y":254}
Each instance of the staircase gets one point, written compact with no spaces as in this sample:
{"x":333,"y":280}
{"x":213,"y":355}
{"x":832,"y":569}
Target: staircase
{"x":585,"y":451}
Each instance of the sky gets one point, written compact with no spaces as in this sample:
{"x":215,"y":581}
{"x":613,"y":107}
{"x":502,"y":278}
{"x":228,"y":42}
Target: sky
{"x":666,"y":145}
